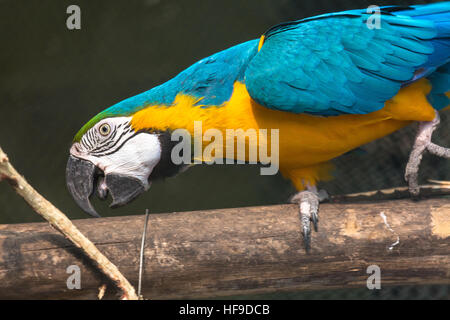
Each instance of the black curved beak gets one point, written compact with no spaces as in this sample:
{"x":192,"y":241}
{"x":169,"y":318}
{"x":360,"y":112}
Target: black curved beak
{"x":81,"y":177}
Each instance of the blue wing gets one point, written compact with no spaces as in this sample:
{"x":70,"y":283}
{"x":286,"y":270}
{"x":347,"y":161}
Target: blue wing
{"x":335,"y":64}
{"x":440,"y":82}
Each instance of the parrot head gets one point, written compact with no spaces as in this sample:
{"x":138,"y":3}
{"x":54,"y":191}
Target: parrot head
{"x":108,"y":156}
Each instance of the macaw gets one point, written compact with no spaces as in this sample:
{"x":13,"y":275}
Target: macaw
{"x":329,"y":84}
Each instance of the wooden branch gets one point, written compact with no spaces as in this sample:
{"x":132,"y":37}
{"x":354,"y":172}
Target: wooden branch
{"x":439,"y":188}
{"x":59,"y":221}
{"x":237,"y":251}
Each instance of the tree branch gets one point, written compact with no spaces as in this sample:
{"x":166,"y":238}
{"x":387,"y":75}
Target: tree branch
{"x":438,"y":188}
{"x":250,"y":250}
{"x":61,"y":223}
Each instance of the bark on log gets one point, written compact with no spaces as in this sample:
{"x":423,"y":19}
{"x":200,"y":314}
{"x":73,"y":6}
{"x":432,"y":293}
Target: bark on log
{"x":236,"y":251}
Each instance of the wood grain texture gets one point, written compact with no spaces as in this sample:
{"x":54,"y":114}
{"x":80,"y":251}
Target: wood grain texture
{"x":236,"y":251}
{"x":64,"y":225}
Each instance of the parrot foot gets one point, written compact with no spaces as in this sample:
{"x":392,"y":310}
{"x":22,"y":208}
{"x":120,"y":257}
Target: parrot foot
{"x":308,"y":202}
{"x":421,"y":145}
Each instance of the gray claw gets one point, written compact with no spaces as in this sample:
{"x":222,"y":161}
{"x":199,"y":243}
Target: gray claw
{"x":422,"y":144}
{"x":307,"y":237}
{"x":308,"y":202}
{"x":315,"y":221}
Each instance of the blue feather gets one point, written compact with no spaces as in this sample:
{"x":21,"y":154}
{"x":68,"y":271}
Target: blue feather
{"x":440,"y":81}
{"x":289,"y":74}
{"x":326,"y":65}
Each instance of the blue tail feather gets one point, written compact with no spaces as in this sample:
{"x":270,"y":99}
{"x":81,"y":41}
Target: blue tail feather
{"x":439,"y":14}
{"x":440,"y":82}
{"x":438,"y":64}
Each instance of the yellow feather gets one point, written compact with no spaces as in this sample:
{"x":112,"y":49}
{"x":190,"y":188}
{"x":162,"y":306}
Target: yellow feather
{"x":306,"y":143}
{"x":261,"y":42}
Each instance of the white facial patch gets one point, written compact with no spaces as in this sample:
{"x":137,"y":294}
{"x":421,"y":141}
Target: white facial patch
{"x":114,"y":147}
{"x":137,"y":157}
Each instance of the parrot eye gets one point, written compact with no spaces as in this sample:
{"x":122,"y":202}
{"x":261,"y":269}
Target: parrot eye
{"x":104,"y":129}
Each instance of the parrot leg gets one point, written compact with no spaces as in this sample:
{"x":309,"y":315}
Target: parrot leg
{"x":421,"y":145}
{"x":308,"y":202}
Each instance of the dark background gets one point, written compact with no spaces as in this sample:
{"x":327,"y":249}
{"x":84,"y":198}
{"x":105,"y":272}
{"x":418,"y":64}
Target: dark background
{"x":53,"y":80}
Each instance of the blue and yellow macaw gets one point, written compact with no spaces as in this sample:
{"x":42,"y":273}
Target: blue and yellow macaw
{"x":329,"y":84}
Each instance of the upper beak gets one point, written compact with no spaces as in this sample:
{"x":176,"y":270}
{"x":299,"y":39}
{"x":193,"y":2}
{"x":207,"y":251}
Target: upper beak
{"x":81,"y":177}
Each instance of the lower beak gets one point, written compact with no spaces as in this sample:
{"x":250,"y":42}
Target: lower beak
{"x":81,"y":177}
{"x":123,"y":189}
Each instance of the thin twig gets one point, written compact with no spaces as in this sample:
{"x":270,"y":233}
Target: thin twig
{"x":141,"y":256}
{"x":58,"y":220}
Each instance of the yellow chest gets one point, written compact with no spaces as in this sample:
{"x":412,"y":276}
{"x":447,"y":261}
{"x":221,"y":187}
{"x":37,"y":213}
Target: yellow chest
{"x":306,"y":143}
{"x":304,"y":140}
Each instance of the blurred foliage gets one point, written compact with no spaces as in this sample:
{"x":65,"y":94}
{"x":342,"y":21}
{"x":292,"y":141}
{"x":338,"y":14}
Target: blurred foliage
{"x":53,"y":80}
